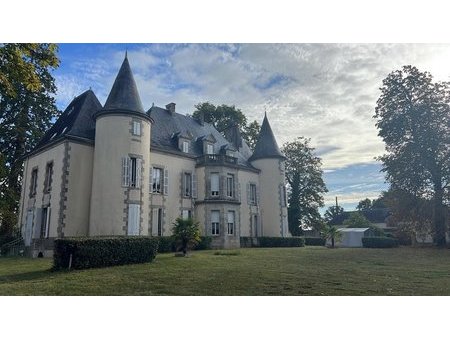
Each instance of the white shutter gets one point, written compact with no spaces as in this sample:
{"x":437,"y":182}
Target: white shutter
{"x":238,"y":191}
{"x":133,"y":219}
{"x":194,"y":185}
{"x":223,"y":188}
{"x":214,"y":182}
{"x":150,"y":181}
{"x":257,"y":194}
{"x":166,"y":182}
{"x":47,"y":222}
{"x":215,"y":216}
{"x":155,"y":222}
{"x":37,"y":224}
{"x":138,"y":172}
{"x":248,"y":194}
{"x":138,"y":128}
{"x":28,"y":228}
{"x":125,"y":171}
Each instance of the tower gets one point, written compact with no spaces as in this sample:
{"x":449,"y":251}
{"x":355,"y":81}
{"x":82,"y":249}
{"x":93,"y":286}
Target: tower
{"x":120,"y":180}
{"x":268,"y":158}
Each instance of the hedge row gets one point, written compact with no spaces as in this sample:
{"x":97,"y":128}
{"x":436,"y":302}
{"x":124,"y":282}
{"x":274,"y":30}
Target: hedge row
{"x":315,"y":241}
{"x":272,"y":242}
{"x":379,"y":242}
{"x":103,"y":251}
{"x":167,"y":244}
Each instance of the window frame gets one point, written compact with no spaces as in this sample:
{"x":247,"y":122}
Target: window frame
{"x":209,"y":149}
{"x":215,"y":193}
{"x":136,"y":128}
{"x":215,"y":226}
{"x":161,"y":180}
{"x":187,"y":184}
{"x":252,"y":191}
{"x":185,"y":147}
{"x":33,"y":182}
{"x":229,"y":193}
{"x":231,"y":225}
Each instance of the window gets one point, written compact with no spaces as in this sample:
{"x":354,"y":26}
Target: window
{"x":187,"y":185}
{"x":33,"y":183}
{"x":230,"y":223}
{"x":157,"y":180}
{"x":157,"y":222}
{"x":137,"y":128}
{"x":209,"y":149}
{"x":230,"y":185}
{"x":215,"y":225}
{"x":252,"y":194}
{"x":214,"y":184}
{"x":133,"y":219}
{"x":45,"y":220}
{"x":185,"y":146}
{"x":48,"y":177}
{"x":131,"y":172}
{"x":186,"y":214}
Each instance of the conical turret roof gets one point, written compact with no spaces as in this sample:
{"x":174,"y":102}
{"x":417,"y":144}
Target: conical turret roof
{"x":266,"y":146}
{"x":124,"y":96}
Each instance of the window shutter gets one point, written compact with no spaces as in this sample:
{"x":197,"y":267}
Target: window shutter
{"x":183,"y":184}
{"x":257,"y":194}
{"x":248,"y":194}
{"x":166,"y":182}
{"x":150,"y":181}
{"x":28,"y":228}
{"x":155,"y":222}
{"x":138,"y":128}
{"x":133,"y":219}
{"x":37,"y":223}
{"x":194,"y":185}
{"x":238,"y":191}
{"x":138,"y":172}
{"x":214,"y":183}
{"x":223,"y":187}
{"x":47,"y":229}
{"x":280,"y":188}
{"x":125,"y":171}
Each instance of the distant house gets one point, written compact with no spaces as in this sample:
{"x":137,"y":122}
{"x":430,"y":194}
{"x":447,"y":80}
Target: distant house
{"x":120,"y":170}
{"x":352,"y":237}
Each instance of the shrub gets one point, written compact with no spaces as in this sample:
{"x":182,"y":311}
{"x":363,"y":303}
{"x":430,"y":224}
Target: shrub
{"x":103,"y":251}
{"x":186,"y":233}
{"x":272,"y":242}
{"x":247,"y":242}
{"x":379,"y":242}
{"x":166,"y":244}
{"x":204,"y":244}
{"x":315,"y":241}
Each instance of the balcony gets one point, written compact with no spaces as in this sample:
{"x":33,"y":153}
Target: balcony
{"x":216,"y":159}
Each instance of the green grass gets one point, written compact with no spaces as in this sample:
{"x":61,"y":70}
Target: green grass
{"x":261,"y":271}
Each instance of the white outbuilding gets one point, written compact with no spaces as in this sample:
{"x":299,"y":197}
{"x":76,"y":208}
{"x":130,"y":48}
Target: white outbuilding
{"x":352,"y":237}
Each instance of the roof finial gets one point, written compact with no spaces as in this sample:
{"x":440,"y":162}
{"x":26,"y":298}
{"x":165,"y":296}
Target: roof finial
{"x":126,"y":54}
{"x":265,"y":111}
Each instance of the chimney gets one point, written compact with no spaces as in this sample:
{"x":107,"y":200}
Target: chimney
{"x":201,"y":119}
{"x":171,"y":107}
{"x":233,"y":135}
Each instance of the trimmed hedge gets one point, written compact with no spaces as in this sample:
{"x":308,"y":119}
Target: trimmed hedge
{"x":379,"y":242}
{"x":315,"y":241}
{"x":204,"y":244}
{"x":246,"y":242}
{"x":103,"y":251}
{"x":167,"y":244}
{"x":272,"y":242}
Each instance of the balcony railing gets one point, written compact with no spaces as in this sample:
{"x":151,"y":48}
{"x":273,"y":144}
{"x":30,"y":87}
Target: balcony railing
{"x":216,"y":159}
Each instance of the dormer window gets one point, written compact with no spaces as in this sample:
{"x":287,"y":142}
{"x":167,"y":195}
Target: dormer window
{"x":185,"y":147}
{"x":209,"y":149}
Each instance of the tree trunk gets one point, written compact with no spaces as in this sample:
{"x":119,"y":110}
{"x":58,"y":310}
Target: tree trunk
{"x":332,"y":241}
{"x":438,"y":215}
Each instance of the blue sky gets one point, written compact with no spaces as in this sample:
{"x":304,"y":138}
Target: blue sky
{"x":326,"y":92}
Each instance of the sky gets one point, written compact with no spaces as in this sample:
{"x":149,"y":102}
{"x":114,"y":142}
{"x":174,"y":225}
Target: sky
{"x":325,"y":92}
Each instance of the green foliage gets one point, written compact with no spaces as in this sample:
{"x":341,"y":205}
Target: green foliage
{"x":186,"y":233}
{"x":304,"y":175}
{"x":273,"y":242}
{"x":166,"y":244}
{"x":227,"y":253}
{"x":100,"y":252}
{"x":357,"y":220}
{"x":364,"y":204}
{"x":315,"y":241}
{"x":204,"y":244}
{"x":27,"y":106}
{"x":331,"y":232}
{"x":413,"y":119}
{"x":224,"y":116}
{"x":247,"y":242}
{"x":333,"y":212}
{"x":379,"y":242}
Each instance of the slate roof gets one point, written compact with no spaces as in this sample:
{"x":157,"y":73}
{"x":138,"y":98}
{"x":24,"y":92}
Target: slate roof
{"x":76,"y":120}
{"x":124,"y":95}
{"x":266,"y":146}
{"x":167,"y":124}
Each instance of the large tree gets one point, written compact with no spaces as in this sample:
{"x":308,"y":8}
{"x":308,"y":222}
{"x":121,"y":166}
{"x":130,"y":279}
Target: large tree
{"x":222,"y":116}
{"x":27,"y":106}
{"x":413,"y":118}
{"x":306,"y":185}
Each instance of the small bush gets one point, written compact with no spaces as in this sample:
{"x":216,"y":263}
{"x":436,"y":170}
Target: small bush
{"x":379,"y":242}
{"x":204,"y":244}
{"x":166,"y":244}
{"x":103,"y":251}
{"x":315,"y":241}
{"x":272,"y":242}
{"x":247,"y":242}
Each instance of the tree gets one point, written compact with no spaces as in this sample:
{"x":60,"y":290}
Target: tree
{"x":306,"y":185}
{"x":357,"y":220}
{"x":364,"y":204}
{"x":333,"y":212}
{"x":27,"y":106}
{"x":332,"y":233}
{"x":413,"y":118}
{"x":186,"y":233}
{"x":224,"y":116}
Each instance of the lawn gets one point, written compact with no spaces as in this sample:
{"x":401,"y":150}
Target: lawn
{"x":275,"y":271}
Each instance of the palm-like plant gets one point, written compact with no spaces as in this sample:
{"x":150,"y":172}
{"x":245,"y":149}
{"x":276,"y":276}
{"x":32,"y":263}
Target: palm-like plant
{"x":186,"y":233}
{"x":331,"y":232}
